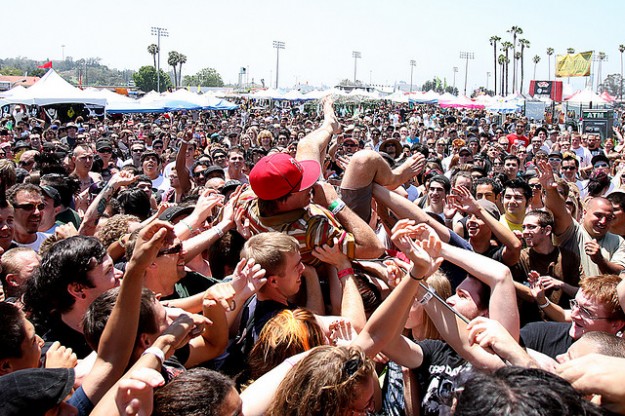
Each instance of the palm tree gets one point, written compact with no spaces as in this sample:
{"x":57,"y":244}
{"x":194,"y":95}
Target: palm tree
{"x":536,"y":60}
{"x":515,"y":30}
{"x":505,"y":47}
{"x":182,"y":59}
{"x":172,"y":60}
{"x":621,"y":49}
{"x":570,"y":51}
{"x":153,"y":50}
{"x":493,"y":41}
{"x":502,"y":61}
{"x":524,"y":44}
{"x":550,"y":52}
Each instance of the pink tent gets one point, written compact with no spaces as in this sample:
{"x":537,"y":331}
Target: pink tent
{"x":606,"y":96}
{"x":461,"y":102}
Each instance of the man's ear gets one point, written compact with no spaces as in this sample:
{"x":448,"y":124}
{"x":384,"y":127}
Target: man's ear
{"x":144,"y":341}
{"x":6,"y":366}
{"x":548,"y":229}
{"x":11,"y":280}
{"x":76,"y":290}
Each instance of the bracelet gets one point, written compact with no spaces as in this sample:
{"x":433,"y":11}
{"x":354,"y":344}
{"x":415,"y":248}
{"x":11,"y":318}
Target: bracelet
{"x":220,"y":232}
{"x":345,"y":272}
{"x":156,"y":352}
{"x":187,"y":225}
{"x":336,"y":206}
{"x":415,"y":278}
{"x":547,"y":303}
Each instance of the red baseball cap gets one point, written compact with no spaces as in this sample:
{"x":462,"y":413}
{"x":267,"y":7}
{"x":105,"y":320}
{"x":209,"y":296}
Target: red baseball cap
{"x":278,"y":175}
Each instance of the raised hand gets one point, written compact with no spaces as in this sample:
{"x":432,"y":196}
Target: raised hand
{"x":332,"y":254}
{"x":464,"y":201}
{"x":536,"y":287}
{"x":59,"y":356}
{"x":150,"y":240}
{"x":248,"y":275}
{"x":545,"y":174}
{"x":208,"y":200}
{"x":222,"y":294}
{"x":342,"y":333}
{"x":242,"y":221}
{"x":135,"y":394}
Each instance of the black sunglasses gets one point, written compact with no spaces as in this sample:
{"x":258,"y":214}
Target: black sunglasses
{"x":172,"y":250}
{"x":30,"y":207}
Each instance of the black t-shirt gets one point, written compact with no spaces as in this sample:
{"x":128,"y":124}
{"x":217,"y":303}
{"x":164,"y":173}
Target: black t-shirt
{"x":192,"y":284}
{"x":57,"y":330}
{"x":441,"y":372}
{"x":549,"y":338}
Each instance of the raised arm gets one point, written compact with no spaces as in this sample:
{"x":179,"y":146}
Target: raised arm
{"x":181,"y":163}
{"x":115,"y":347}
{"x":464,"y":201}
{"x":502,"y":306}
{"x":553,"y":200}
{"x":98,"y":206}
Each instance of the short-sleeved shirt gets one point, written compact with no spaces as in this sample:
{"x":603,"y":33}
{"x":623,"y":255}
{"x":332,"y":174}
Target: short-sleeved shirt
{"x":549,"y":338}
{"x":442,"y":371}
{"x":312,"y":227}
{"x":574,"y":238}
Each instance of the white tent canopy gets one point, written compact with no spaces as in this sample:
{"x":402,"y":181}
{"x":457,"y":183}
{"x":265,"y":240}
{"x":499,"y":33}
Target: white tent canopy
{"x":52,"y":89}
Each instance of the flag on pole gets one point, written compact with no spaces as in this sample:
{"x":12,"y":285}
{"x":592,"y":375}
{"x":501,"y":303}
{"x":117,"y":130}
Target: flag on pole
{"x":46,"y":65}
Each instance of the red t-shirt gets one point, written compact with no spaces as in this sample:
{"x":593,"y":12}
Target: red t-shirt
{"x":514,"y":138}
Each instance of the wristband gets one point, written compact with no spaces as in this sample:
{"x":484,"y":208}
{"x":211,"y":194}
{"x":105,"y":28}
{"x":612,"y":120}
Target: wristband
{"x":415,"y":278}
{"x":220,"y":232}
{"x":187,"y":225}
{"x":336,"y":206}
{"x":547,"y":303}
{"x":345,"y":272}
{"x":156,"y":352}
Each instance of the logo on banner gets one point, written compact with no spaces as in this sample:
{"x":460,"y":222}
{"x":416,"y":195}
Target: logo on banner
{"x":543,"y":88}
{"x":574,"y":65}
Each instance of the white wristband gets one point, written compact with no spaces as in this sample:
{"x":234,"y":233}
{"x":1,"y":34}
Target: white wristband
{"x":544,"y":305}
{"x":156,"y":352}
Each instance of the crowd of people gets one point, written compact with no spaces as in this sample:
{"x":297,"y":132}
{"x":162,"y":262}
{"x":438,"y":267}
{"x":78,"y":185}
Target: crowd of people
{"x":396,"y":260}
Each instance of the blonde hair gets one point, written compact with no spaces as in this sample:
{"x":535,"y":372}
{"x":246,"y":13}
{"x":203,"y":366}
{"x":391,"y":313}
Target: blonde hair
{"x":269,"y":250}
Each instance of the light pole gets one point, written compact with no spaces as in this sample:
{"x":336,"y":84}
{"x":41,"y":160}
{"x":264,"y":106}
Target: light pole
{"x":356,"y":55}
{"x":159,"y":32}
{"x":413,"y":63}
{"x":278,"y":45}
{"x":62,"y":52}
{"x":487,"y":77}
{"x":455,"y":72}
{"x":466,"y":56}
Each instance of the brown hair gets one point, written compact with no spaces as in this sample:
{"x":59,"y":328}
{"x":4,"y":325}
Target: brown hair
{"x":602,"y":289}
{"x":324,"y":382}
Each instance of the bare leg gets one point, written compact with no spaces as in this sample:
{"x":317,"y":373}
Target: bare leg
{"x":367,"y":166}
{"x":314,"y":145}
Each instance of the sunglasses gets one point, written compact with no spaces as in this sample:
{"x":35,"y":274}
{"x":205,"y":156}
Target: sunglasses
{"x":30,"y":207}
{"x":201,"y":173}
{"x":568,"y":168}
{"x":172,"y":250}
{"x":105,"y":151}
{"x":158,"y":147}
{"x":555,"y":159}
{"x":600,"y":165}
{"x":536,"y":186}
{"x":137,"y":150}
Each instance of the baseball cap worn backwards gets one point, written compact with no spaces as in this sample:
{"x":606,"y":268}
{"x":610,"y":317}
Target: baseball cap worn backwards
{"x":278,"y":175}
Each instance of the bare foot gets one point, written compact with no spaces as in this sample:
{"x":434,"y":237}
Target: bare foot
{"x":411,"y":167}
{"x":329,"y":115}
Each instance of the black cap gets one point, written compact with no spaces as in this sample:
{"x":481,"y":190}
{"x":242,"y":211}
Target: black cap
{"x":230,"y":185}
{"x":51,"y":192}
{"x":103,"y":144}
{"x":21,"y":145}
{"x":34,"y":391}
{"x":174,"y":212}
{"x":214,"y":171}
{"x":600,"y":158}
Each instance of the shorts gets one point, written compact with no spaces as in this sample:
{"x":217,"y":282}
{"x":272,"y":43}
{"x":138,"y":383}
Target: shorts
{"x":359,"y":201}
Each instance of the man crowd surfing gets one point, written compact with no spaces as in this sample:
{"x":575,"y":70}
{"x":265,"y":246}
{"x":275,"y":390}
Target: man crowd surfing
{"x":319,"y":260}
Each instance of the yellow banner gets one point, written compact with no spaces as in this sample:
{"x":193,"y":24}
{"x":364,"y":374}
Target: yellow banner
{"x":574,"y":65}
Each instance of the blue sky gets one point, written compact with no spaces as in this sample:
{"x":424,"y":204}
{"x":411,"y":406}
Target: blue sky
{"x":319,"y":35}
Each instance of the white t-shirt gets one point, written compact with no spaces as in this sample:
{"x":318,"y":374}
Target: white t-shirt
{"x":41,"y":237}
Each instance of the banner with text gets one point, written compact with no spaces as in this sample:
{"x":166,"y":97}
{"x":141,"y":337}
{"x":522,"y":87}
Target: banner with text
{"x":574,"y":65}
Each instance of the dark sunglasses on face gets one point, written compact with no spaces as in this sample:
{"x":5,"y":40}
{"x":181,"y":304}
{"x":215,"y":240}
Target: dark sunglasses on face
{"x":172,"y":250}
{"x":105,"y":151}
{"x":30,"y":207}
{"x":201,"y":173}
{"x":137,"y":150}
{"x":158,"y":147}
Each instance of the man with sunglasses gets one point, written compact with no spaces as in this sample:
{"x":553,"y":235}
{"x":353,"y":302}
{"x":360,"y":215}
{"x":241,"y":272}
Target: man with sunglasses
{"x":28,"y":204}
{"x":601,"y":252}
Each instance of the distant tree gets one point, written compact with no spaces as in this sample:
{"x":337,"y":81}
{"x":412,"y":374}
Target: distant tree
{"x":536,"y":60}
{"x":153,"y":50}
{"x":172,"y":60}
{"x":611,"y":84}
{"x":493,"y":41}
{"x":570,"y":51}
{"x":621,"y":49}
{"x":12,"y":71}
{"x":515,"y":30}
{"x":145,"y":79}
{"x":37,"y":72}
{"x":501,"y":60}
{"x":505,"y":47}
{"x":524,"y":44}
{"x":437,"y":86}
{"x":550,"y":52}
{"x":206,"y":77}
{"x":182,"y":59}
